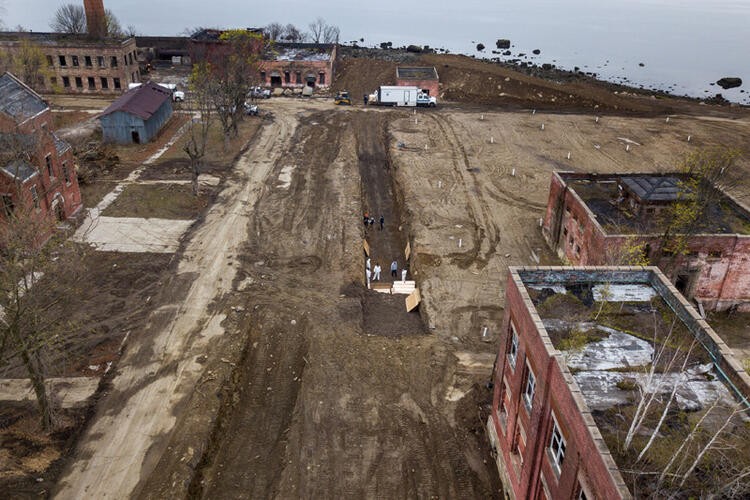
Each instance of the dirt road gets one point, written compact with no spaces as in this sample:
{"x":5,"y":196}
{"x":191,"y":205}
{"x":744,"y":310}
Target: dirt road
{"x":159,"y":369}
{"x":273,"y":372}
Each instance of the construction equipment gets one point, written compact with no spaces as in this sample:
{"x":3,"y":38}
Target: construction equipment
{"x":343,"y":98}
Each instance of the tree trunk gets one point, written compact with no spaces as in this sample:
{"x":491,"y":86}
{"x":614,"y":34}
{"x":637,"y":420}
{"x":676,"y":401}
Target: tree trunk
{"x":37,"y":382}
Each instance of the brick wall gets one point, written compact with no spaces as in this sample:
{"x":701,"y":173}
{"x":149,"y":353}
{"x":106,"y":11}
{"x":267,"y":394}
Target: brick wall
{"x":431,"y":86}
{"x":716,"y":269}
{"x":523,"y":436}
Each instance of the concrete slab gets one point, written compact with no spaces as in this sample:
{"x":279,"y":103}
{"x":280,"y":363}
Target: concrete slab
{"x":69,"y":392}
{"x":132,"y":234}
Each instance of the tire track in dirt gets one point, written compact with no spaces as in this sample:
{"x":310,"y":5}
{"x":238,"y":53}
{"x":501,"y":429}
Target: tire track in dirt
{"x":131,"y":429}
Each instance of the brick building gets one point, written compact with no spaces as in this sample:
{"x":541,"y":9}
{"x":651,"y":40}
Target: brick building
{"x":426,"y":78}
{"x":550,"y":422}
{"x":43,"y":174}
{"x":281,"y":65}
{"x":78,"y":63}
{"x":591,"y":218}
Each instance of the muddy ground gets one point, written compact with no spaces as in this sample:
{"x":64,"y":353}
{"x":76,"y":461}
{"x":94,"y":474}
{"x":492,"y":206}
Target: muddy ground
{"x":267,"y":369}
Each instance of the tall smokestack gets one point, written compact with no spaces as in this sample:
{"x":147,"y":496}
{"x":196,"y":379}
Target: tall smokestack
{"x":95,"y":21}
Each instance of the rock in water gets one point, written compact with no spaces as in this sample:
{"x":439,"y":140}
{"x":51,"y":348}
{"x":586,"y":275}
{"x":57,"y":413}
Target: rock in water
{"x":729,"y":82}
{"x":503,"y":44}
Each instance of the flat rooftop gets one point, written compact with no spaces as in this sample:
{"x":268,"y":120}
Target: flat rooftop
{"x":59,"y":39}
{"x":299,"y":52}
{"x":623,"y":332}
{"x":603,"y":195}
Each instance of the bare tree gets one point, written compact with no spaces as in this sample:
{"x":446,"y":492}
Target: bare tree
{"x":331,"y":34}
{"x":201,"y":96}
{"x":113,"y":28}
{"x":69,"y":18}
{"x":274,"y":31}
{"x":32,"y":298}
{"x":293,"y":34}
{"x":28,"y":63}
{"x":131,"y":31}
{"x":233,"y":73}
{"x":317,"y":28}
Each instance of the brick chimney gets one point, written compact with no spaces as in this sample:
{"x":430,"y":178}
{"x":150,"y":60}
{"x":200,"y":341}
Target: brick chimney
{"x":95,"y":21}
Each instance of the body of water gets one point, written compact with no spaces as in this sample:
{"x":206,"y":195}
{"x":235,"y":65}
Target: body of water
{"x":682,"y":46}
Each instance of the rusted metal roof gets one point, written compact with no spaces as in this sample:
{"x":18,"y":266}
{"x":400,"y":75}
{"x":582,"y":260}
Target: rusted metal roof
{"x":142,"y":101}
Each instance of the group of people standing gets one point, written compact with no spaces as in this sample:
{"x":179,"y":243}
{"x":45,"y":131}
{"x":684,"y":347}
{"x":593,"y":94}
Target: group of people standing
{"x":369,"y":221}
{"x":373,"y":273}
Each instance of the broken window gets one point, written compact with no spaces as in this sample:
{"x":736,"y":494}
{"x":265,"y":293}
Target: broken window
{"x":103,"y":81}
{"x":8,"y":205}
{"x":513,"y":348}
{"x":287,"y":77}
{"x":92,"y":83}
{"x":298,"y":77}
{"x":100,"y":61}
{"x":62,"y":60}
{"x":66,"y":81}
{"x":556,"y":446}
{"x":75,"y":60}
{"x":34,"y":196}
{"x":263,"y":77}
{"x":52,"y":81}
{"x":50,"y":61}
{"x":116,"y":81}
{"x":113,"y":61}
{"x":79,"y":82}
{"x":528,"y":393}
{"x":322,"y":78}
{"x":66,"y":174}
{"x":50,"y":171}
{"x":87,"y":61}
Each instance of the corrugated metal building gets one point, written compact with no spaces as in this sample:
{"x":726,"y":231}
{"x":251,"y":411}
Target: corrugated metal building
{"x":138,"y":115}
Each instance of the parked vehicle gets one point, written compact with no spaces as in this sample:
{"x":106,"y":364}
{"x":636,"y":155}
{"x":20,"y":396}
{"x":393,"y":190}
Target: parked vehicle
{"x":401,"y":96}
{"x":259,"y":93}
{"x":343,"y":98}
{"x":177,"y":95}
{"x":251,"y":109}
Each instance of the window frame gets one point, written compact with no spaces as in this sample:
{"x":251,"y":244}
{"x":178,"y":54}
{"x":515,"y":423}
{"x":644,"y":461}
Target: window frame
{"x":62,"y":60}
{"x":50,"y":167}
{"x":104,"y":82}
{"x":116,"y":83}
{"x":529,"y":386}
{"x":34,"y":196}
{"x":100,"y":61}
{"x":66,"y":82}
{"x":66,"y":174}
{"x":513,"y":347}
{"x":113,"y":61}
{"x":556,"y":447}
{"x":74,"y":61}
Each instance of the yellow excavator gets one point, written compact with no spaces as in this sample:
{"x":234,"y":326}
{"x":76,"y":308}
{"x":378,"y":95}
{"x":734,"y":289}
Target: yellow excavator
{"x":343,"y":98}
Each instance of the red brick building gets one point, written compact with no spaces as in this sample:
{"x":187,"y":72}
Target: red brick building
{"x":591,"y":218}
{"x":281,"y":65}
{"x":425,"y":78}
{"x":42,"y":172}
{"x":543,"y":425}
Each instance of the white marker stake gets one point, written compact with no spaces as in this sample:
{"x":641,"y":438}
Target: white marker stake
{"x":425,"y":147}
{"x":415,"y":112}
{"x":513,"y":172}
{"x":481,"y":117}
{"x":541,"y":221}
{"x":597,"y":119}
{"x":667,"y":120}
{"x":542,"y":126}
{"x":688,"y":138}
{"x":492,"y":140}
{"x":415,"y":121}
{"x":533,"y":111}
{"x":440,"y":184}
{"x":627,"y":147}
{"x":460,"y":242}
{"x":568,"y":155}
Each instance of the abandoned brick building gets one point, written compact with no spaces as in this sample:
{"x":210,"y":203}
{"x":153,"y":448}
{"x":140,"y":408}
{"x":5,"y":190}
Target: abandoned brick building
{"x":41,"y":172}
{"x":591,"y":219}
{"x":426,"y":78}
{"x":281,"y":65}
{"x":87,"y":63}
{"x":568,"y":366}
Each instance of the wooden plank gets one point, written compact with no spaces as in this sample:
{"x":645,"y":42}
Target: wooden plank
{"x":366,"y":246}
{"x":381,"y":287}
{"x":413,"y":300}
{"x":407,"y":250}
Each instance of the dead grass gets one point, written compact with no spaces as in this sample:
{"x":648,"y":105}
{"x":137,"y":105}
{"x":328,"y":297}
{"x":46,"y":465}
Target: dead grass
{"x":216,"y":156}
{"x":162,"y":201}
{"x":138,"y":153}
{"x":93,"y":193}
{"x":64,"y":119}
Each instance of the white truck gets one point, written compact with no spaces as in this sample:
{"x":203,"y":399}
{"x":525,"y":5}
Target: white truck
{"x":401,"y":96}
{"x":177,"y":95}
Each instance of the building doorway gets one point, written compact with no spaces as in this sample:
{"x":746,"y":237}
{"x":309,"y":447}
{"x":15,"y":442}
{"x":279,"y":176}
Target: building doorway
{"x":136,"y":137}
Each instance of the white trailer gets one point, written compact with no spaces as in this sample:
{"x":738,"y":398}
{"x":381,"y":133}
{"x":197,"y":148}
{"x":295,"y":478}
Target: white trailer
{"x":397,"y":96}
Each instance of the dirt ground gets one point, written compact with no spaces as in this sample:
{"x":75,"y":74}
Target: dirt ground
{"x":267,"y":369}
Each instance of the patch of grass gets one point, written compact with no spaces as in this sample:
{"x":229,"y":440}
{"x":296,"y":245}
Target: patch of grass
{"x":162,"y":201}
{"x":577,"y":339}
{"x":627,"y":384}
{"x":92,"y":193}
